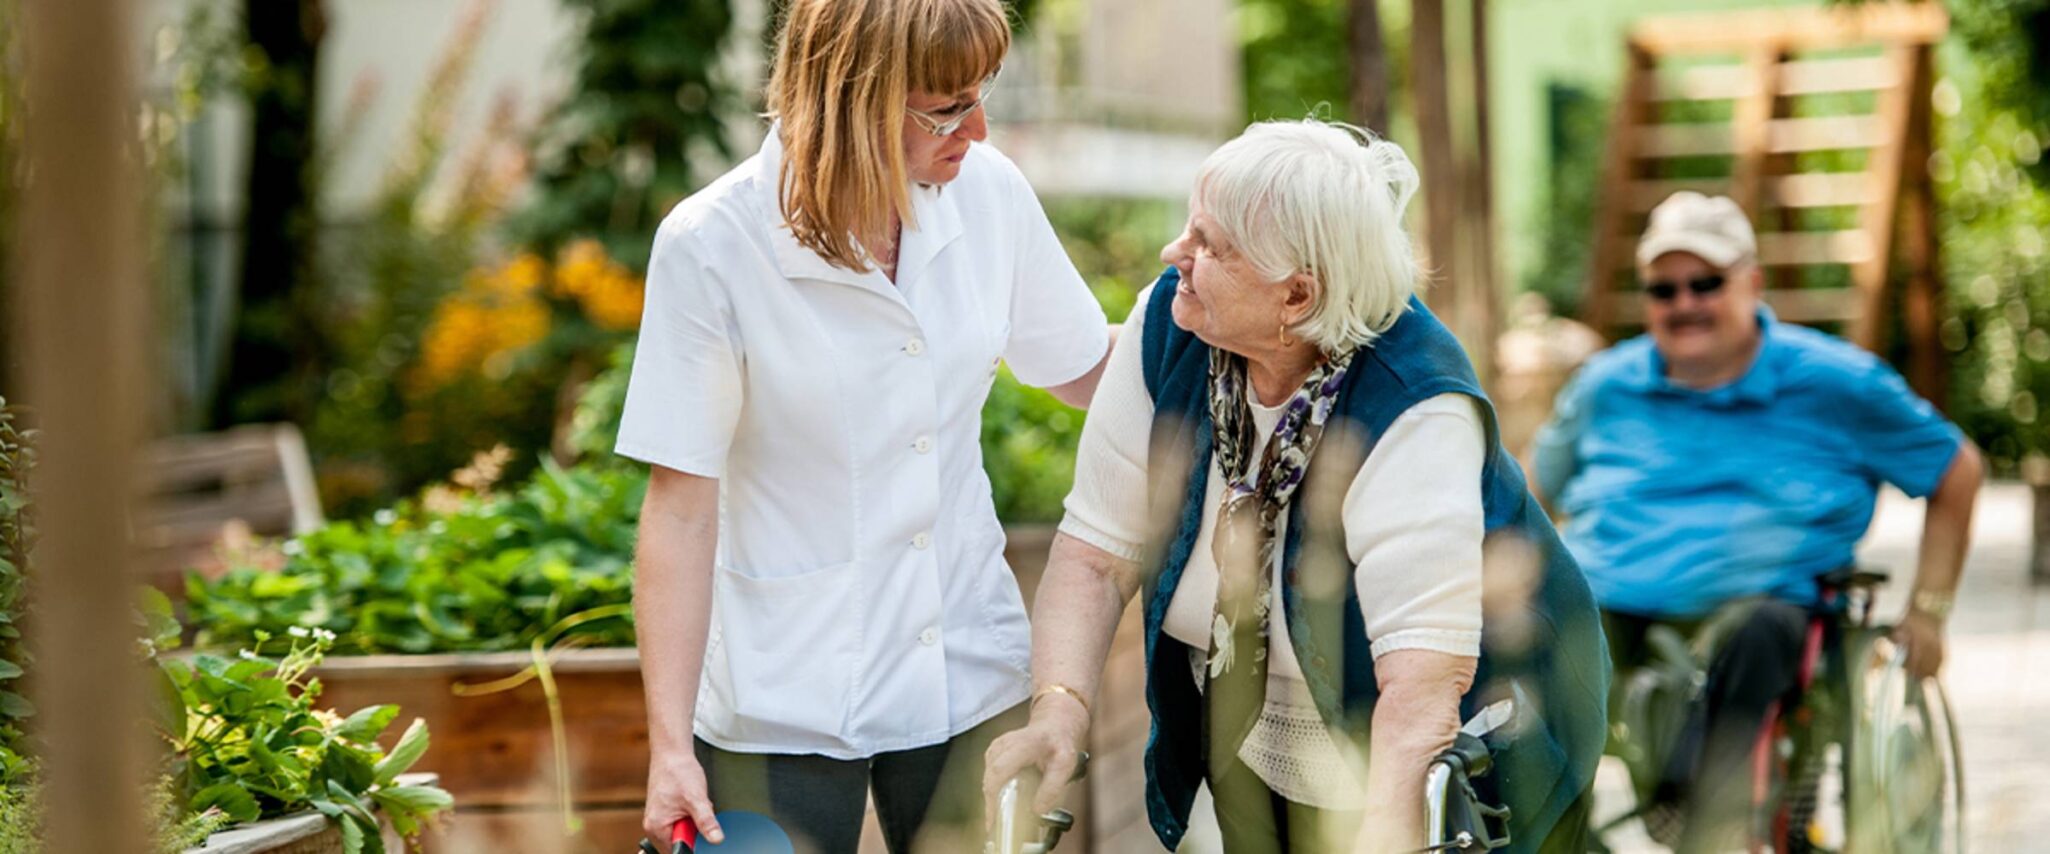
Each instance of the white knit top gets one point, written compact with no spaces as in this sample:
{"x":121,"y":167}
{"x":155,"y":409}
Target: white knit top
{"x":1413,"y":527}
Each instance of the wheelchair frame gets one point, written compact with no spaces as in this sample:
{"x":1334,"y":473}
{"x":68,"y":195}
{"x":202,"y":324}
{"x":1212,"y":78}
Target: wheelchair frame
{"x":1854,"y":694}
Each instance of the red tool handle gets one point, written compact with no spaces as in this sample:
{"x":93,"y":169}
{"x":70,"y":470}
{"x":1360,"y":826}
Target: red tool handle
{"x":683,"y":836}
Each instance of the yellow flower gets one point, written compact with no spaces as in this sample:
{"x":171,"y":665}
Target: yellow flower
{"x":520,"y":277}
{"x":607,"y":292}
{"x":496,"y":313}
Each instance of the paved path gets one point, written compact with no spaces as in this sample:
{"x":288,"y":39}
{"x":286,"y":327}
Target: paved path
{"x":1998,"y":671}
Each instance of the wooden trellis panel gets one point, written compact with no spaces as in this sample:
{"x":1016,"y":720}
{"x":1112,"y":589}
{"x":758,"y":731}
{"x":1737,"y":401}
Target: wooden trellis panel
{"x":1817,"y":122}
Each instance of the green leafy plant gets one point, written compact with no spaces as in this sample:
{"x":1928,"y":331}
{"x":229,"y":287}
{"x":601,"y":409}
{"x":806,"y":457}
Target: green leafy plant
{"x":247,"y":739}
{"x":453,"y":571}
{"x":594,"y":426}
{"x":17,"y":539}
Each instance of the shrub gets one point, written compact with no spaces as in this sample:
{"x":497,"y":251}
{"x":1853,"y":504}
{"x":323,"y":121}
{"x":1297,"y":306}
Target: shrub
{"x":247,"y":742}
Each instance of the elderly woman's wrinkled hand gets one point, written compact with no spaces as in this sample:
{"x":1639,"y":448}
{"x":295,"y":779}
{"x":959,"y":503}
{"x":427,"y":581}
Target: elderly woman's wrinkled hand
{"x":1051,"y":745}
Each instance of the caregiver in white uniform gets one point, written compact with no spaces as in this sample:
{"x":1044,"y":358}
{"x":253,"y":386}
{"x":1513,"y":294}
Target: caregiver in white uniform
{"x":822,"y":600}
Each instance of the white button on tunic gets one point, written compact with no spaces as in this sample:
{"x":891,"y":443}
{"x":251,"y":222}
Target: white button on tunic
{"x":841,"y":413}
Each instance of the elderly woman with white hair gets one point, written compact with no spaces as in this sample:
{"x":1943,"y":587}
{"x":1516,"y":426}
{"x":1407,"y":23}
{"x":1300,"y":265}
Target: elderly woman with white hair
{"x":1292,"y":459}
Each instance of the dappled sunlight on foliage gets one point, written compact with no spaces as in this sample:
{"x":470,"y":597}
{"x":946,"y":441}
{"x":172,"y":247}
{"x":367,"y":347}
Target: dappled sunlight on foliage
{"x":1993,"y":110}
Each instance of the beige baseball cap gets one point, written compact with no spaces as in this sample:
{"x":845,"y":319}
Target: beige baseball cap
{"x":1712,"y":228}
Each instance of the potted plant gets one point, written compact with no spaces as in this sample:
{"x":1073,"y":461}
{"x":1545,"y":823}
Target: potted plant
{"x":245,"y":737}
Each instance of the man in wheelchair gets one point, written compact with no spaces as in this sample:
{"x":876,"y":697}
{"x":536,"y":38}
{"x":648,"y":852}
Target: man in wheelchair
{"x":1712,"y":471}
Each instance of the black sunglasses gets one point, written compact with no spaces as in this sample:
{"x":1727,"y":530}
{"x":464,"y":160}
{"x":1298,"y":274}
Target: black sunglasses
{"x":1664,"y":290}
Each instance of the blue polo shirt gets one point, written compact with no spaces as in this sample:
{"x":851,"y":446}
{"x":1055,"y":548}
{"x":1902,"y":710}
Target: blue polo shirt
{"x":1679,"y":500}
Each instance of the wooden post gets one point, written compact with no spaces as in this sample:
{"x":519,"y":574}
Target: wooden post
{"x":1432,"y":98}
{"x":1452,"y":153}
{"x":1753,"y":121}
{"x":1752,"y":129}
{"x":1483,"y":318}
{"x":81,"y":318}
{"x":1922,"y":299}
{"x":1612,"y":201}
{"x":1369,"y":74}
{"x":2039,"y":544}
{"x":1887,"y":178}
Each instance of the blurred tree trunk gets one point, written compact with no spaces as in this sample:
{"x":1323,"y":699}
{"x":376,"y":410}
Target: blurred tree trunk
{"x":1369,"y":83}
{"x":2039,"y":546}
{"x":1477,"y":191}
{"x":1440,"y":191}
{"x":275,"y":357}
{"x":1448,"y":80}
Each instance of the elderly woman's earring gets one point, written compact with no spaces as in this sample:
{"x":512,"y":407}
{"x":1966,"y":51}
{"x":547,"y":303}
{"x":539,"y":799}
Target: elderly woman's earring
{"x":1282,"y":333}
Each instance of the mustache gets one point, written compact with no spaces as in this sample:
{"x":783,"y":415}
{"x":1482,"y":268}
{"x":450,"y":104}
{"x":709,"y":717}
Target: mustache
{"x":1690,"y":318}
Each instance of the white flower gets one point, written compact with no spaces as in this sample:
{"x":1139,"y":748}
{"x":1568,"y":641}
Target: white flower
{"x":323,"y":635}
{"x":292,"y":547}
{"x":298,"y":632}
{"x":385,"y":516}
{"x":247,"y":655}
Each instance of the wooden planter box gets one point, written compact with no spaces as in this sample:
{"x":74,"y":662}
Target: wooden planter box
{"x":494,"y":753}
{"x":303,"y":833}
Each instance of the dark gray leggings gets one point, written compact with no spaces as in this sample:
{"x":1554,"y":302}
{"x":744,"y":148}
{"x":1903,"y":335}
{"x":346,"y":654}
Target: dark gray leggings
{"x":927,"y":799}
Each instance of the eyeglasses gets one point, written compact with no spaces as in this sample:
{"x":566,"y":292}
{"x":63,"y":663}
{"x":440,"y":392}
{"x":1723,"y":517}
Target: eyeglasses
{"x":946,"y":124}
{"x":1666,"y":290}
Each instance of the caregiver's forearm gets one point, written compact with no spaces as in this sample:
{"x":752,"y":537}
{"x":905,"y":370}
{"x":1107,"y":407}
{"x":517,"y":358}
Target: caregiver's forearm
{"x":672,"y":600}
{"x":1075,"y":614}
{"x":1415,"y":719}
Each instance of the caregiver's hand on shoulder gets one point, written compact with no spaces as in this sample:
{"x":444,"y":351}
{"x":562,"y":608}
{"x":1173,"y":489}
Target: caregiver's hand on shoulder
{"x":1051,"y":744}
{"x":677,"y":790}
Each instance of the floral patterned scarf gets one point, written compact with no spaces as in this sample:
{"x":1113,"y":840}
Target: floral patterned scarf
{"x":1243,"y":543}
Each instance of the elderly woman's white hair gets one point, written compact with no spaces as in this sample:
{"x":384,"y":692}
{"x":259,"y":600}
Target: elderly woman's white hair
{"x":1324,"y":198}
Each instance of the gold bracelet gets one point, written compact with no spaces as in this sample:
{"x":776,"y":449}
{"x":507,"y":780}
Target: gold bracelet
{"x":1934,"y":603}
{"x":1058,"y":688}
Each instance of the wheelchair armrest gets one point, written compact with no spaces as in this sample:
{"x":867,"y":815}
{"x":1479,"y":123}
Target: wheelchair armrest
{"x":1856,"y":577}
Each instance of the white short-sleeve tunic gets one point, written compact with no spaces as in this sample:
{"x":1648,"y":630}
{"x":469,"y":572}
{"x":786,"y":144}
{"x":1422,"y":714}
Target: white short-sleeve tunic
{"x":861,"y":601}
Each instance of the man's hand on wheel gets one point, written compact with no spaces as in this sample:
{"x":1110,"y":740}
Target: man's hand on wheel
{"x":1922,"y":635}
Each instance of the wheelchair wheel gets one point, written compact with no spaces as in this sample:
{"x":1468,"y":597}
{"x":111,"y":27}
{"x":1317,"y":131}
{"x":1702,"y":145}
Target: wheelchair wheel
{"x":1907,"y":773}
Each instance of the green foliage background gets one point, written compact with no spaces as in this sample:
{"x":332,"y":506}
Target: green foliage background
{"x":1994,"y":107}
{"x":642,"y":128}
{"x":1028,"y":437}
